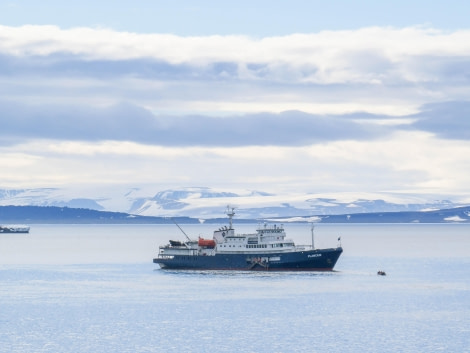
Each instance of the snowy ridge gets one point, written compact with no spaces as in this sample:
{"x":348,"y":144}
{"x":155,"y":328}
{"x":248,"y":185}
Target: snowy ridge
{"x":205,"y":203}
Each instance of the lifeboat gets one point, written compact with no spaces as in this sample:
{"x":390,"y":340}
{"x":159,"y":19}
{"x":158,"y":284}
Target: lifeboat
{"x":208,"y":243}
{"x":176,"y":243}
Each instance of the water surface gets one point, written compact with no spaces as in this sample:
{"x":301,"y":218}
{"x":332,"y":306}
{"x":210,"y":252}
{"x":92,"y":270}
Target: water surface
{"x":94,"y":288}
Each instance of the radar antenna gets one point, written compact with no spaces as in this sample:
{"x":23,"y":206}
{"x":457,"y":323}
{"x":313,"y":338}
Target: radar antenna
{"x":230,"y":213}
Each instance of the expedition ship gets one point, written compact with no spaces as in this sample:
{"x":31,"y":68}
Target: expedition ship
{"x":266,"y":250}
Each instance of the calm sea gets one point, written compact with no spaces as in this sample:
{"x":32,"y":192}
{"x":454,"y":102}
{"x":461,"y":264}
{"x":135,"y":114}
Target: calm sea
{"x":94,"y":288}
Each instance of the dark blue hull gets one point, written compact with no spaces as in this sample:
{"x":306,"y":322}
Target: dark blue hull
{"x":308,"y":260}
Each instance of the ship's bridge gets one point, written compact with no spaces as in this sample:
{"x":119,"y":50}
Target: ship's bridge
{"x":271,"y":232}
{"x":266,"y":239}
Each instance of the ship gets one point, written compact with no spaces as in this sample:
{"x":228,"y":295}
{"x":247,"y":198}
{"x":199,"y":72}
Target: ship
{"x":14,"y":229}
{"x":267,"y":249}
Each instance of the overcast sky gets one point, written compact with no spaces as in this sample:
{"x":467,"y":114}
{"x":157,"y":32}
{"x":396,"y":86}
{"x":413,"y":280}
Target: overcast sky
{"x":298,"y":96}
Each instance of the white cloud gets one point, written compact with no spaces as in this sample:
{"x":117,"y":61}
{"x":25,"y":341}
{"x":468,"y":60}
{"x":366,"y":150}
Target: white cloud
{"x":190,"y":103}
{"x":323,"y":57}
{"x":377,"y":69}
{"x":404,"y":162}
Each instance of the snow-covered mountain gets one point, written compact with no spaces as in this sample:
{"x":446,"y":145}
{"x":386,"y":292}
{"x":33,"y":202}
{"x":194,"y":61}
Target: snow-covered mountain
{"x":205,"y":203}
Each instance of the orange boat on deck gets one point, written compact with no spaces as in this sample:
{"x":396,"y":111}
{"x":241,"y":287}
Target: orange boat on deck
{"x":208,"y":243}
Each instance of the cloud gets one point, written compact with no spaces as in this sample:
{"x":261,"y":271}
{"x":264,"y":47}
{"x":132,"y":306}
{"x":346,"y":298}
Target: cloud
{"x":373,"y":108}
{"x":127,"y":122}
{"x":385,"y":71}
{"x":406,"y":161}
{"x":118,"y":122}
{"x":74,"y":66}
{"x":363,"y":56}
{"x":448,"y":120}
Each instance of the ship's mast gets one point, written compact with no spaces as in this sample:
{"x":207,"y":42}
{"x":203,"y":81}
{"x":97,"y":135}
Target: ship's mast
{"x":313,"y":244}
{"x":230,"y":214}
{"x":181,"y":229}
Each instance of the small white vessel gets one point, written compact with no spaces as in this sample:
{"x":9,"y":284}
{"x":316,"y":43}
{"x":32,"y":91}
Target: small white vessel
{"x":14,"y":229}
